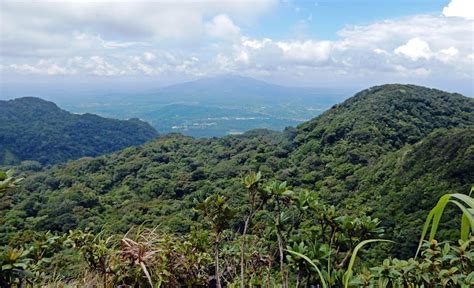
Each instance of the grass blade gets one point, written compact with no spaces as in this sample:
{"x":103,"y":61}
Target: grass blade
{"x":465,"y":212}
{"x":435,"y":214}
{"x":439,"y":209}
{"x":348,"y":273}
{"x":464,"y":228}
{"x":425,"y":229}
{"x":323,"y":282}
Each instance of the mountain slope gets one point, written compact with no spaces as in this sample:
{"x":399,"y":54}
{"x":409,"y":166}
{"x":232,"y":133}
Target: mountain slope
{"x":34,"y":129}
{"x":330,"y":148}
{"x":158,"y":182}
{"x":404,"y":185}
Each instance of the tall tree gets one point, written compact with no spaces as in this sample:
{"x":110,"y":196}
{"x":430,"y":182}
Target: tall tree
{"x":252,"y":184}
{"x":218,"y":214}
{"x":279,"y":195}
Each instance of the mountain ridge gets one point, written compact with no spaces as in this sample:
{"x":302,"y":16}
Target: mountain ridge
{"x":30,"y":126}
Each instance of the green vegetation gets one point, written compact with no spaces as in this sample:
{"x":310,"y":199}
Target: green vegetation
{"x":316,"y":236}
{"x":369,"y":168}
{"x":34,"y":129}
{"x":7,"y":180}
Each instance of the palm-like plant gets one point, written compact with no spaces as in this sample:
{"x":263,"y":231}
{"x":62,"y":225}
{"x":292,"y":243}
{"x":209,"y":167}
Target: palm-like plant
{"x":252,"y":184}
{"x":7,"y":180}
{"x":218,"y":214}
{"x":14,"y":266}
{"x":279,"y":195}
{"x":138,"y":253}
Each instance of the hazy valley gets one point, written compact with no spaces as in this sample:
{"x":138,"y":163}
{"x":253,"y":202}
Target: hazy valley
{"x":212,"y":107}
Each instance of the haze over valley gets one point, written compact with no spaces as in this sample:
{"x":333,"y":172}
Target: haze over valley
{"x":214,"y":106}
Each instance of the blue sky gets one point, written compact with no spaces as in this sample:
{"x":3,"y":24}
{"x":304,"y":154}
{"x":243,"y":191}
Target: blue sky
{"x":323,"y":19}
{"x":353,"y":43}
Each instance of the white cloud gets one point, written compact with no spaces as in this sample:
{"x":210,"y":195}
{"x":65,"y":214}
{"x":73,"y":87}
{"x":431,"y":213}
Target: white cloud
{"x":460,"y":8}
{"x":157,"y":38}
{"x":43,"y":26}
{"x":415,"y":49}
{"x":243,"y":57}
{"x":448,"y":54}
{"x":148,"y":70}
{"x":42,"y":67}
{"x":222,"y":26}
{"x":307,"y":51}
{"x":100,"y":67}
{"x":380,"y":51}
{"x":84,"y":40}
{"x":149,"y":56}
{"x":255,"y":43}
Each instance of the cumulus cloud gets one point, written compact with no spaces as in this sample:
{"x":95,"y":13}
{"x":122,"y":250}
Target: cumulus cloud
{"x":222,"y":26}
{"x":460,"y":8}
{"x":43,"y":67}
{"x":448,"y":54}
{"x":307,"y":51}
{"x":415,"y":49}
{"x":149,"y":56}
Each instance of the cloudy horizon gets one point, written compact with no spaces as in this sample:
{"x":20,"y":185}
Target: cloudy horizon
{"x":294,"y":43}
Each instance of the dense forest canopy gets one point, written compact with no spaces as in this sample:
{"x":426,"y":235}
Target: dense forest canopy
{"x":157,"y":181}
{"x":377,"y":163}
{"x":34,"y":129}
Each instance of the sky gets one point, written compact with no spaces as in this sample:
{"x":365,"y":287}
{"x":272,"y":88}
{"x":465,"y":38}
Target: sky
{"x":80,"y":45}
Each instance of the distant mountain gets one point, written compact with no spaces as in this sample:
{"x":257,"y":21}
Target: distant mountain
{"x":217,"y":106}
{"x":34,"y":129}
{"x":241,"y":91}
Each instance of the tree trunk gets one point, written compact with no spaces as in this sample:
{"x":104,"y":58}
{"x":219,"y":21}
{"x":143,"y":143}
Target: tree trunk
{"x":242,"y":252}
{"x":298,"y":277}
{"x":216,"y":263}
{"x":280,"y":246}
{"x":282,"y":267}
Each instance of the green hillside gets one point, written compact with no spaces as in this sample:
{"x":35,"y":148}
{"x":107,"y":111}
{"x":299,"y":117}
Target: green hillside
{"x":387,"y":153}
{"x":34,"y":129}
{"x":330,"y":148}
{"x":402,"y":186}
{"x":157,"y":181}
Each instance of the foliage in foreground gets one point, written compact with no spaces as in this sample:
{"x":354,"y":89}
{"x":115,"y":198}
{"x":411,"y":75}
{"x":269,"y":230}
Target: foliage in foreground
{"x":293,"y":240}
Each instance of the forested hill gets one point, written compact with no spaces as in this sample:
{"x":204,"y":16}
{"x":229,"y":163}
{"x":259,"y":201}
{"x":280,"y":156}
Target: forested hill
{"x":402,"y":185}
{"x":329,"y":149}
{"x":332,"y":155}
{"x":35,"y":129}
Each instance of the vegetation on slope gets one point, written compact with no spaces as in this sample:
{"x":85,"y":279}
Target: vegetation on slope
{"x":34,"y":129}
{"x":331,"y":148}
{"x":406,"y":183}
{"x":158,"y":181}
{"x":293,"y":240}
{"x":363,"y":157}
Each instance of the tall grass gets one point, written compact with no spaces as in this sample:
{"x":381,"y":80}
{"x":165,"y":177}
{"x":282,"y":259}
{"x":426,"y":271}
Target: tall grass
{"x":321,"y":277}
{"x":464,"y":202}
